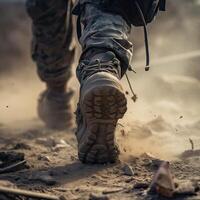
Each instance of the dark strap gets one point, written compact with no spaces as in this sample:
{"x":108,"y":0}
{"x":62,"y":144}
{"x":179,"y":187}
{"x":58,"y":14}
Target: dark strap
{"x":162,"y":5}
{"x":145,"y":35}
{"x":78,"y":27}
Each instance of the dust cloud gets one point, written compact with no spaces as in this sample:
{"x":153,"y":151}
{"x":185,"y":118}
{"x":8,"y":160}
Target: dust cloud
{"x":166,"y":114}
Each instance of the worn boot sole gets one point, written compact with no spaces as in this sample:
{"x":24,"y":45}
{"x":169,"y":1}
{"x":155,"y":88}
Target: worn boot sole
{"x":102,"y":103}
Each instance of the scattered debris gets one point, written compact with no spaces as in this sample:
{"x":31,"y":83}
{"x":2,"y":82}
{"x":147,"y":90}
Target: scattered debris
{"x":141,"y":185}
{"x":11,"y":156}
{"x":187,"y":188}
{"x":192,"y":143}
{"x":53,"y":143}
{"x":112,"y":191}
{"x":61,"y":145}
{"x":14,"y":167}
{"x":128,"y":170}
{"x":48,"y":142}
{"x":44,"y":158}
{"x":163,"y":183}
{"x":152,"y":160}
{"x":26,"y":193}
{"x":12,"y":162}
{"x":98,"y":197}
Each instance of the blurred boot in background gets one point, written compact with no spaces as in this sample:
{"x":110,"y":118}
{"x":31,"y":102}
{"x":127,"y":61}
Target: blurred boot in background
{"x":53,"y":52}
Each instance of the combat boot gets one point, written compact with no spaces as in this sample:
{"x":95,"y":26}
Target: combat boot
{"x":102,"y":103}
{"x":54,"y":108}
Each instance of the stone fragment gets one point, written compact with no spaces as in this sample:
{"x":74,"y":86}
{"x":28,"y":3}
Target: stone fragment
{"x":128,"y":170}
{"x":163,"y":183}
{"x":141,"y":185}
{"x":48,"y":142}
{"x":187,"y":188}
{"x":44,"y":158}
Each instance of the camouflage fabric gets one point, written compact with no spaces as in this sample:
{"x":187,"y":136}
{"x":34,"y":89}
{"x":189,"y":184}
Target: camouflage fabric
{"x":52,"y":44}
{"x":52,"y":38}
{"x":102,"y":32}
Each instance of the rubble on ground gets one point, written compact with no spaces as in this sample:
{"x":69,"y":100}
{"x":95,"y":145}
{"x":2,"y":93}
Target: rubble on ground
{"x":128,"y":170}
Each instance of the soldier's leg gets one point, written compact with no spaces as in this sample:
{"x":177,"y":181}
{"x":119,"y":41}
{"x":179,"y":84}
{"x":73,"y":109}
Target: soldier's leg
{"x":53,"y":52}
{"x":105,"y":58}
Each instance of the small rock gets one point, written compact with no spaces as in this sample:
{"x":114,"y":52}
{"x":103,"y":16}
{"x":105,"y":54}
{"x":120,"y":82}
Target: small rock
{"x":44,"y":158}
{"x":98,"y":197}
{"x":128,"y":170}
{"x":143,"y":186}
{"x":151,"y":160}
{"x":48,"y":142}
{"x":163,"y":182}
{"x":187,"y":188}
{"x":61,"y":145}
{"x":148,"y":156}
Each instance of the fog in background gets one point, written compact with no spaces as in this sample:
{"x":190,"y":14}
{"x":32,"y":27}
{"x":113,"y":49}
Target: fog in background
{"x":167,"y":112}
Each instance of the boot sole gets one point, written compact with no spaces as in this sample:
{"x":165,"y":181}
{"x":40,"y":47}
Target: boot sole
{"x":102,"y":107}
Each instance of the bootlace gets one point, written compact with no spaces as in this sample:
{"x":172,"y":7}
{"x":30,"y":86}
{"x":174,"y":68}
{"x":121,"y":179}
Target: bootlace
{"x":87,"y":70}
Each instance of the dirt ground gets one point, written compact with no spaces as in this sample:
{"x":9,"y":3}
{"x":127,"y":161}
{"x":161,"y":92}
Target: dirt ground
{"x":158,"y":127}
{"x":55,"y":169}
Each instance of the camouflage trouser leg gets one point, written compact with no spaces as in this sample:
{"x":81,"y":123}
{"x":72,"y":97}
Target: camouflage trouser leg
{"x":102,"y":32}
{"x":52,"y":47}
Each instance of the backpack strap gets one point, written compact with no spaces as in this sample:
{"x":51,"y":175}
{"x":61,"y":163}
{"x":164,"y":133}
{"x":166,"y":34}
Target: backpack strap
{"x":146,"y":41}
{"x":162,"y":5}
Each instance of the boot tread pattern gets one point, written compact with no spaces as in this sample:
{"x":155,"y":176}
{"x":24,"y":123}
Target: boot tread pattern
{"x":102,"y":108}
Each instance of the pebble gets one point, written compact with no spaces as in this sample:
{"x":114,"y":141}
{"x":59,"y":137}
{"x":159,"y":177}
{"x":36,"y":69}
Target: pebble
{"x":141,"y":186}
{"x":48,"y":142}
{"x":187,"y":188}
{"x":44,"y":158}
{"x":128,"y":170}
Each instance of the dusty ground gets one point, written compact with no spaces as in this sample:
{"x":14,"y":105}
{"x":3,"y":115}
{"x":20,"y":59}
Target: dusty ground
{"x":69,"y":178}
{"x":161,"y":122}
